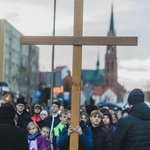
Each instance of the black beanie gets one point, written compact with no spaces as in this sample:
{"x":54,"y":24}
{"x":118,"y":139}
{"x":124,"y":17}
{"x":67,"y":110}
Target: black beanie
{"x":7,"y":111}
{"x":109,"y":116}
{"x":90,"y":108}
{"x":136,"y":96}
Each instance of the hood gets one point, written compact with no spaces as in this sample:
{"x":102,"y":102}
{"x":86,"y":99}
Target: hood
{"x":140,"y":110}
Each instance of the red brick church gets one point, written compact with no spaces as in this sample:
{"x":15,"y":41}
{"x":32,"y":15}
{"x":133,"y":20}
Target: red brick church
{"x":100,"y":80}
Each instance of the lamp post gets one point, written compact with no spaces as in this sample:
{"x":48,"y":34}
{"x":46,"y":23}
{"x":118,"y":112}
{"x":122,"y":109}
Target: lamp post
{"x":53,"y":55}
{"x":0,"y":91}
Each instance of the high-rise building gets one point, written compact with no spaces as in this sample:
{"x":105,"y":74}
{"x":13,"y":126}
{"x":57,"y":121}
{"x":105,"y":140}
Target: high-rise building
{"x":19,"y":64}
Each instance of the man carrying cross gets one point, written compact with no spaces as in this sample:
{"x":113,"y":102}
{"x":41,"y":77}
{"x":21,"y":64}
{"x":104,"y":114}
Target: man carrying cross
{"x":77,"y":41}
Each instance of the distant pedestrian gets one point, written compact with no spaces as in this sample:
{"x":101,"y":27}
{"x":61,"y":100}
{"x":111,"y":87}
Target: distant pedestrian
{"x":133,"y":131}
{"x":11,"y":137}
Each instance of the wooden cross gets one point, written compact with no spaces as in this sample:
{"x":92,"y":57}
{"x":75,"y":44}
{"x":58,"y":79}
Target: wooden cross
{"x":77,"y":41}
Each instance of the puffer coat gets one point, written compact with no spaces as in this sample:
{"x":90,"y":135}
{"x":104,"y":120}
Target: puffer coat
{"x":133,"y":131}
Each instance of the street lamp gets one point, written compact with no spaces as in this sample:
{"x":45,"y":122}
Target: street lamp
{"x":53,"y":55}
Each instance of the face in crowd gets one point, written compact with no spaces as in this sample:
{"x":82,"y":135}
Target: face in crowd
{"x":32,"y":128}
{"x":45,"y":132}
{"x":54,"y":108}
{"x":37,"y":110}
{"x":63,"y":117}
{"x":85,"y":117}
{"x":95,"y":117}
{"x":106,"y":120}
{"x":42,"y":116}
{"x":20,"y":107}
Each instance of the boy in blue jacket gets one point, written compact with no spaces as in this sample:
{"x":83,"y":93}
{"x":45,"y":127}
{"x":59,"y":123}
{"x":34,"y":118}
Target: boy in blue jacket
{"x":85,"y":136}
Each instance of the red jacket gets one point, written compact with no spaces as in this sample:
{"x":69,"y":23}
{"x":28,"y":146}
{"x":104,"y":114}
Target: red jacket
{"x":36,"y":118}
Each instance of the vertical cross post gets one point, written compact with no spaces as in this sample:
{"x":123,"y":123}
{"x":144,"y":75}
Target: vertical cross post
{"x":77,"y":41}
{"x":76,"y":74}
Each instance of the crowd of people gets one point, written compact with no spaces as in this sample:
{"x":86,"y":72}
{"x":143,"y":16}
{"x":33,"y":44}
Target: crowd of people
{"x":98,"y":129}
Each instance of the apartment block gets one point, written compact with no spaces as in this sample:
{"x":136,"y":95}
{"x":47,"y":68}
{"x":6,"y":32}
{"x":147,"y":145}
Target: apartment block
{"x":19,"y":64}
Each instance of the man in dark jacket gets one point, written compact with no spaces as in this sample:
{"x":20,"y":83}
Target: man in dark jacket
{"x":101,"y":136}
{"x":133,"y":131}
{"x":23,"y":117}
{"x":11,"y":137}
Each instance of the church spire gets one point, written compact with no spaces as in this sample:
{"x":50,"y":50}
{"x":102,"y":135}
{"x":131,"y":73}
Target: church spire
{"x":111,"y":29}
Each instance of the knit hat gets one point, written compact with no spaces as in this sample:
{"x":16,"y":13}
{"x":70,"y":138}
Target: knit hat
{"x":44,"y":112}
{"x":136,"y":96}
{"x":20,"y":100}
{"x":109,"y":116}
{"x":7,"y":111}
{"x":90,"y":108}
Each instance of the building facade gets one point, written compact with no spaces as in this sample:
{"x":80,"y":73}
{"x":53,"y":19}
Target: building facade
{"x":19,"y":64}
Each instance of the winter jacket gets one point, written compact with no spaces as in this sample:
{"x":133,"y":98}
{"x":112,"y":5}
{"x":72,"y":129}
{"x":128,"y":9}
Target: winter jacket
{"x":85,"y":139}
{"x":49,"y":119}
{"x":36,"y":117}
{"x":37,"y":141}
{"x":23,"y":120}
{"x":101,"y":138}
{"x":133,"y":131}
{"x":12,"y":137}
{"x":112,"y":130}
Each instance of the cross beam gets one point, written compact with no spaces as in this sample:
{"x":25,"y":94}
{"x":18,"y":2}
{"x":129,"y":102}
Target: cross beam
{"x":77,"y":41}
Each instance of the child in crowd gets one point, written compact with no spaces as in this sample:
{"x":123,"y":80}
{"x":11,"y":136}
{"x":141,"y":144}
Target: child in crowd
{"x":60,"y":126}
{"x":45,"y":132}
{"x":85,"y":117}
{"x":125,"y":112}
{"x":115,"y":119}
{"x":43,"y":115}
{"x":35,"y":140}
{"x":108,"y":123}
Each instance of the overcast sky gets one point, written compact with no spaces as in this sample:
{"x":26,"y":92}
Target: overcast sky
{"x":131,"y":18}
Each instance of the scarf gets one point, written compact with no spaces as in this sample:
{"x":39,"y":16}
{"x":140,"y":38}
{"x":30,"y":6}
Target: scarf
{"x":33,"y":137}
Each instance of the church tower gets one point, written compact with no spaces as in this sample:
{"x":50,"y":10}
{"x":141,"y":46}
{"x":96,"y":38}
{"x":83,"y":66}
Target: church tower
{"x":110,"y":78}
